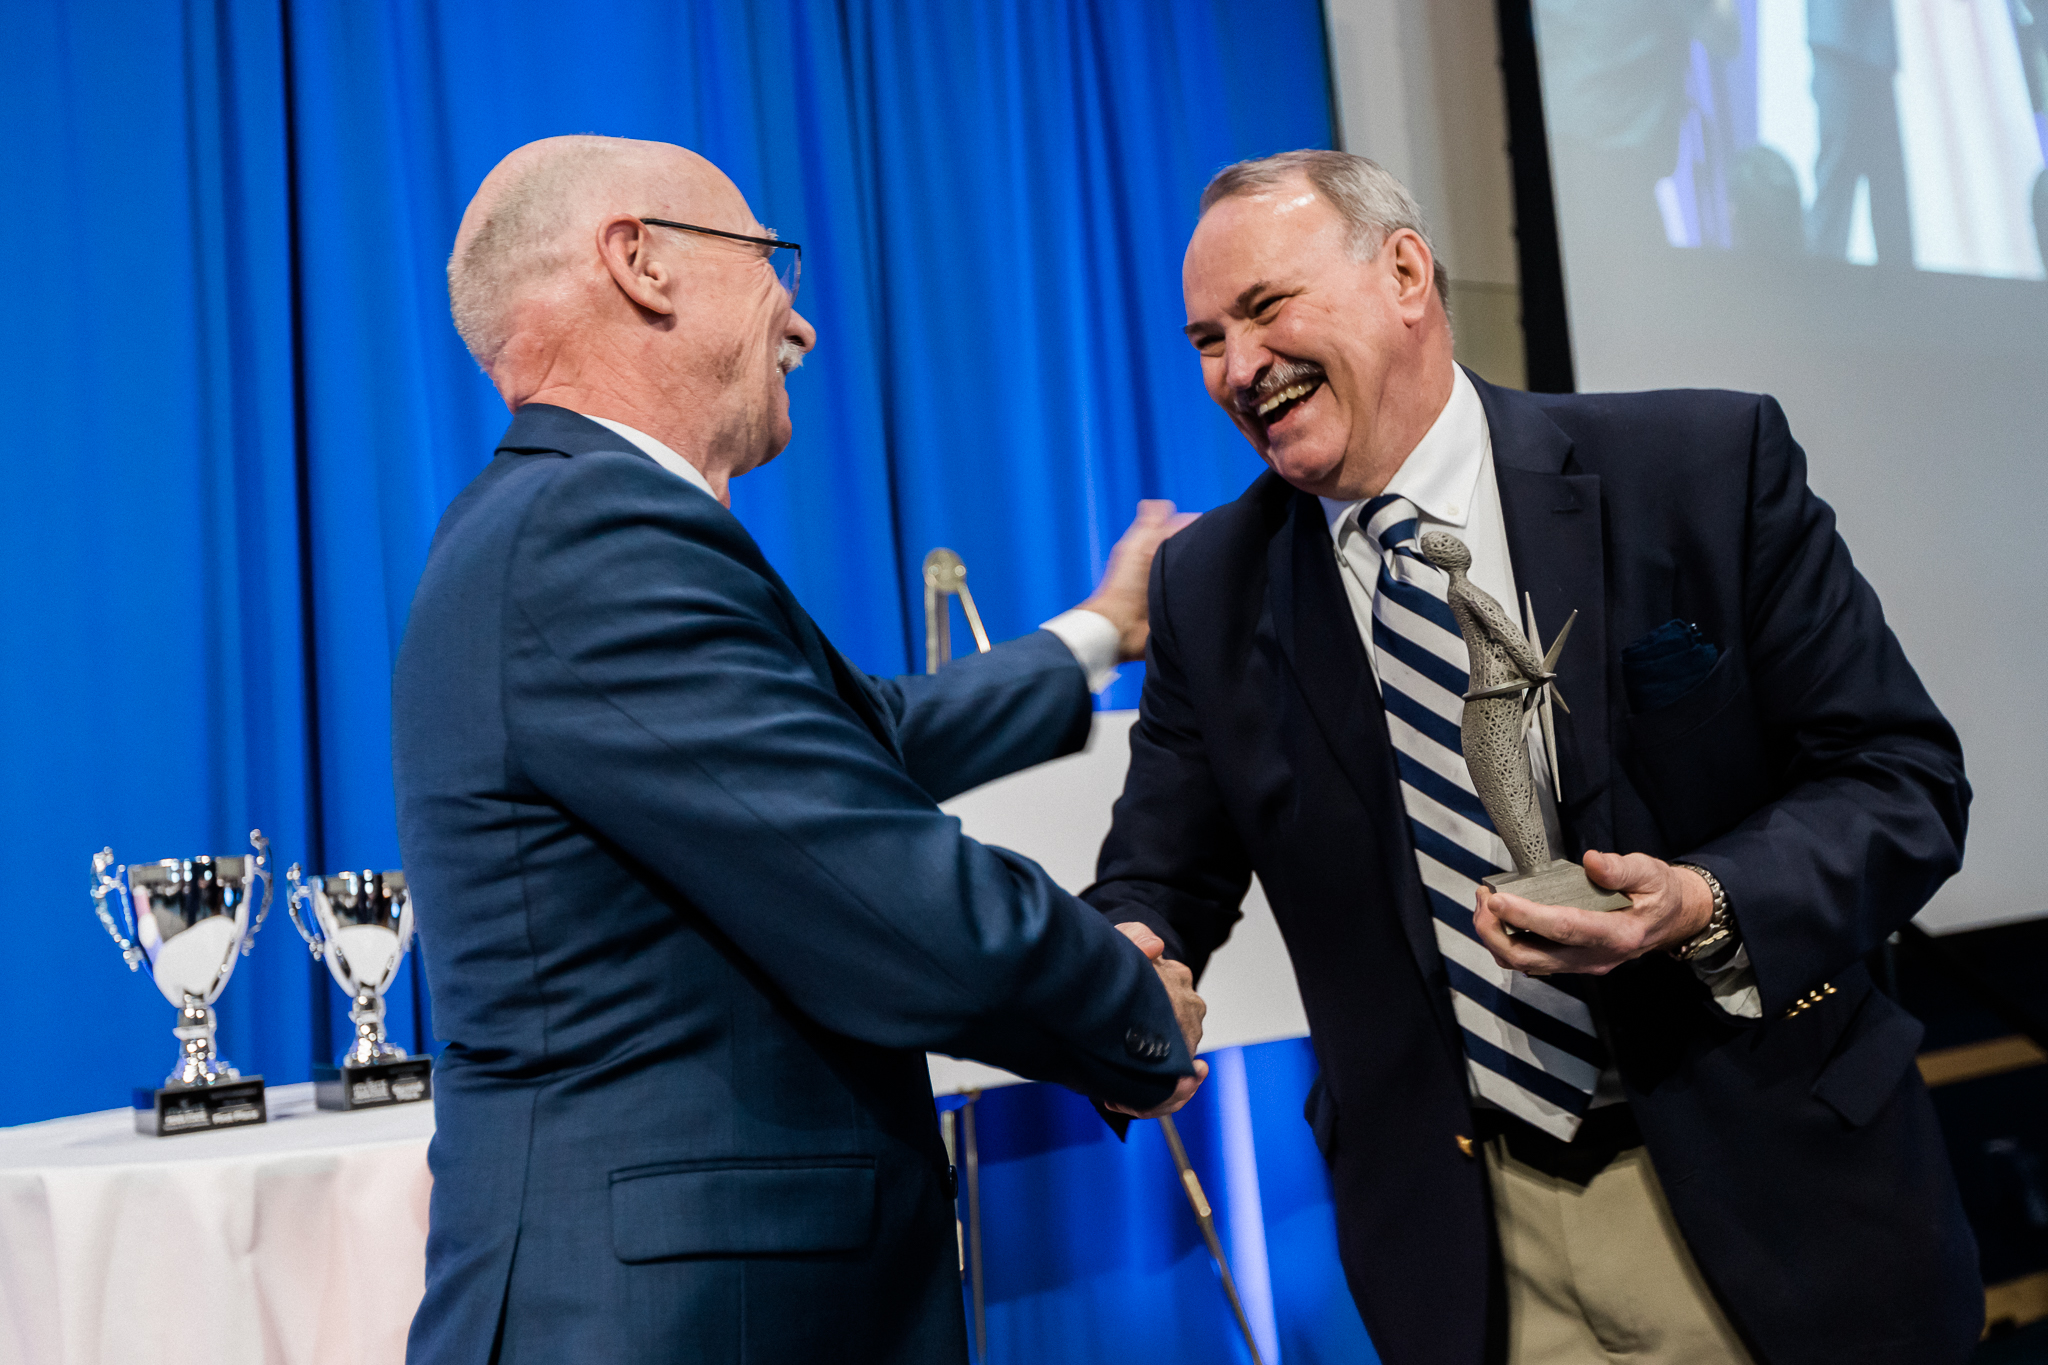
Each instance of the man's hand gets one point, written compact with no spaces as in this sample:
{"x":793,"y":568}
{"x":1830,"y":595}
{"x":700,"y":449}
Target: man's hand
{"x":1120,"y":596}
{"x":1188,"y":1007}
{"x":1670,"y":905}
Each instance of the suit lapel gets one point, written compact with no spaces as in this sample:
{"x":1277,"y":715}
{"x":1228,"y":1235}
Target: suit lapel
{"x":1555,"y":542}
{"x":1312,"y":619}
{"x":1312,"y":622}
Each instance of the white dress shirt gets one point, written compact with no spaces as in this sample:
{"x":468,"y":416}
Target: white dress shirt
{"x":659,"y":453}
{"x":1449,"y":477}
{"x":1091,"y":637}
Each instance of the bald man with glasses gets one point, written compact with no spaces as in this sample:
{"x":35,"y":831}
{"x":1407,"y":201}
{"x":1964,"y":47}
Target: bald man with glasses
{"x":691,"y":913}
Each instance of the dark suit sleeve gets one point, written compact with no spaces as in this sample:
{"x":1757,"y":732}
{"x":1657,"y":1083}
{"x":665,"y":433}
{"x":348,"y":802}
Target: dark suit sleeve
{"x":658,"y":692}
{"x":1872,"y":802}
{"x":1173,"y":859}
{"x":986,"y":716}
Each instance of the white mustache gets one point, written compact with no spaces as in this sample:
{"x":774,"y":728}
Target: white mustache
{"x":789,"y":357}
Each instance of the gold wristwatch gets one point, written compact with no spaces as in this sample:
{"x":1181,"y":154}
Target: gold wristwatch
{"x":1720,"y":926}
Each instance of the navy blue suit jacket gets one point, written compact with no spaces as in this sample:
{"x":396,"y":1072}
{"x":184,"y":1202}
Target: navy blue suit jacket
{"x":1809,"y":771}
{"x":692,"y":916}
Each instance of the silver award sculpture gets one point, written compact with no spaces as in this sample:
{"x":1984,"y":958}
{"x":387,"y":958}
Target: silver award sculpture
{"x":361,"y":925}
{"x":1513,"y":685}
{"x":188,"y":918}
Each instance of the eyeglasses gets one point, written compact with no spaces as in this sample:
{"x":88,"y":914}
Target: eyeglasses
{"x":788,"y":268}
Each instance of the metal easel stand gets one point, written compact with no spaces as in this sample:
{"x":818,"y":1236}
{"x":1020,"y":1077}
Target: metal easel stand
{"x":946,"y":576}
{"x":973,"y":1164}
{"x":963,"y":1151}
{"x":1197,"y":1201}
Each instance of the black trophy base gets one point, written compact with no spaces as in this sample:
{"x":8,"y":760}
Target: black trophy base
{"x":200,"y":1109}
{"x":405,"y":1081}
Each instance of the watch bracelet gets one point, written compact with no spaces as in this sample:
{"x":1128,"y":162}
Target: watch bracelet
{"x":1720,"y":925}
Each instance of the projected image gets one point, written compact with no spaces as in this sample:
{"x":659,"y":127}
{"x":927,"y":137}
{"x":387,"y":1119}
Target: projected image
{"x":1890,"y":133}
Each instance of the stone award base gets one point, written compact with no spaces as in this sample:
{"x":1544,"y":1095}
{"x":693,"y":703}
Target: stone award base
{"x":227,"y":1104}
{"x":1559,"y":883}
{"x":405,"y":1081}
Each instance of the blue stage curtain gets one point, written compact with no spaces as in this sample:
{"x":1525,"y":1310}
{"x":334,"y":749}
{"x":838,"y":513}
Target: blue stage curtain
{"x":241,"y":409}
{"x":1039,"y":166}
{"x":151,"y":687}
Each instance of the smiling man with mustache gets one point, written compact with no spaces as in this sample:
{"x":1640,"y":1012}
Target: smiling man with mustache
{"x":1686,"y":1131}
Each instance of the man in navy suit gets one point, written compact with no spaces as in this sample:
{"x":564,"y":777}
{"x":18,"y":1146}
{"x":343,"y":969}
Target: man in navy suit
{"x":691,"y":912}
{"x":1685,"y":1131}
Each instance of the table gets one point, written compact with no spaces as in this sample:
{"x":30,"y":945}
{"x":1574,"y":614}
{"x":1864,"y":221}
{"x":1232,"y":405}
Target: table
{"x":300,"y":1242}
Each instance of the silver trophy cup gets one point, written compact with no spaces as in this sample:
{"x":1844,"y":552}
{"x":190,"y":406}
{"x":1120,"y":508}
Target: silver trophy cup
{"x":188,"y":918}
{"x":361,"y":925}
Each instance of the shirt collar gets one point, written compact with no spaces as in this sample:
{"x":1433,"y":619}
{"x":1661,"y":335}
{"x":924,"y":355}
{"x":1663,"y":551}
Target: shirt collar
{"x":657,"y":452}
{"x":1441,"y":475}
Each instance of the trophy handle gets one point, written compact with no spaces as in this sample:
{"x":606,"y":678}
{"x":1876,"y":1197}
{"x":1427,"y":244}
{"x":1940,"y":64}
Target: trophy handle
{"x":102,"y":884}
{"x":405,"y":924}
{"x":297,"y":894}
{"x":262,"y":869}
{"x":405,"y":932}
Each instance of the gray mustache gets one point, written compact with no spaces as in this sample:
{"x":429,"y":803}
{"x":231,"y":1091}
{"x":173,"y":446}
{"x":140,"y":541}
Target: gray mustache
{"x":1245,"y":402}
{"x":789,"y":357}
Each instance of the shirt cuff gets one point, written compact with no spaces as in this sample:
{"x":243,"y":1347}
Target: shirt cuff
{"x":1732,"y":982}
{"x":1094,"y":640}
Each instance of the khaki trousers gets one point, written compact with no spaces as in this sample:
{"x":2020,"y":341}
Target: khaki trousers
{"x":1599,"y":1275}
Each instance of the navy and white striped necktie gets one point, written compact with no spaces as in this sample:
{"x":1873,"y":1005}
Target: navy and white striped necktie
{"x":1530,"y":1047}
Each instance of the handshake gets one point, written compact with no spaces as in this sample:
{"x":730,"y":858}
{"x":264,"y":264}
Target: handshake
{"x":1188,"y":1009}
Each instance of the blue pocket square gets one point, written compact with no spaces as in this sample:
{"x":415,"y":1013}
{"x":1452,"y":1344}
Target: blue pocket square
{"x":1666,"y":664}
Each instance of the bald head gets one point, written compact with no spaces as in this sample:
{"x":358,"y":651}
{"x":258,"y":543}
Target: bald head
{"x":526,"y":238}
{"x":630,"y":281}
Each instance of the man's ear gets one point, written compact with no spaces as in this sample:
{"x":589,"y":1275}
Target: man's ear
{"x":1414,"y":273}
{"x":627,"y":249}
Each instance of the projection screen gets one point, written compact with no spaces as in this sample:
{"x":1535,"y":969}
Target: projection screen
{"x":1842,"y":203}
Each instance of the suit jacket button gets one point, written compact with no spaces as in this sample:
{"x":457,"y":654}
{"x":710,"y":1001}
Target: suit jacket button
{"x":1145,"y":1046}
{"x":1464,"y":1144}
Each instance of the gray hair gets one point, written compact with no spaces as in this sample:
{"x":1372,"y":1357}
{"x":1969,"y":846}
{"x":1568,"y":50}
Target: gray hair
{"x":527,"y":236}
{"x":1374,"y":203}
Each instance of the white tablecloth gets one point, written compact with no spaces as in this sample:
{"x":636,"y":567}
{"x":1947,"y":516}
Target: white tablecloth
{"x":301,"y":1242}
